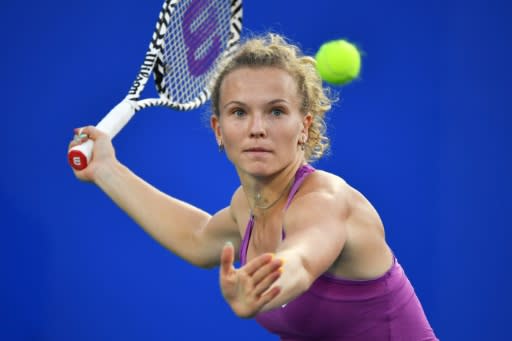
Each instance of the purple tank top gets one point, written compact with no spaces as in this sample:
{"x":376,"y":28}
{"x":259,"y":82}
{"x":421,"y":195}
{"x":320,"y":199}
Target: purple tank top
{"x":337,"y":309}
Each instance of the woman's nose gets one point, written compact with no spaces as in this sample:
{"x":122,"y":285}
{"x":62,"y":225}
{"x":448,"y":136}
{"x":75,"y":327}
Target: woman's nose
{"x":257,"y":128}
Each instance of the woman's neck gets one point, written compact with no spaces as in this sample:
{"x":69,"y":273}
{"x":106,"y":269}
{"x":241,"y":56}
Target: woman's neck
{"x":266,"y":193}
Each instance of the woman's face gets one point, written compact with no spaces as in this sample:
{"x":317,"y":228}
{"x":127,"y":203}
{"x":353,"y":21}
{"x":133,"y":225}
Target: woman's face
{"x":260,"y":122}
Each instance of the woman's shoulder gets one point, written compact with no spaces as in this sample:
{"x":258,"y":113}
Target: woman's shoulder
{"x":333,"y":186}
{"x":357,"y":205}
{"x":326,"y":182}
{"x":323,"y":189}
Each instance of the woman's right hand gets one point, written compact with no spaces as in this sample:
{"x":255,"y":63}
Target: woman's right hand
{"x":103,"y":151}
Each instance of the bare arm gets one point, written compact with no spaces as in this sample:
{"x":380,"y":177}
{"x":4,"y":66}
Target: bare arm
{"x":189,"y":232}
{"x":314,"y":240}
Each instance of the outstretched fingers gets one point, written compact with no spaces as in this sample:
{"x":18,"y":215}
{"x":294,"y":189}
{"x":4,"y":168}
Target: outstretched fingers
{"x":267,"y":270}
{"x":257,"y":263}
{"x":227,"y":259}
{"x":260,"y":280}
{"x":266,"y":284}
{"x":249,"y":288}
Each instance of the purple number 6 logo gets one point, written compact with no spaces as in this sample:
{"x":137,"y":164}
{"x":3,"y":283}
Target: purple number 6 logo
{"x":196,"y":36}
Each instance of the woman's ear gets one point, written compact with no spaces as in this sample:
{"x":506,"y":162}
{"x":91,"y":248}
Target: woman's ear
{"x":307,"y":121}
{"x":215,"y":125}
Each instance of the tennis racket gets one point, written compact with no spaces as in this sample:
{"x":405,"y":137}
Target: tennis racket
{"x":190,"y":39}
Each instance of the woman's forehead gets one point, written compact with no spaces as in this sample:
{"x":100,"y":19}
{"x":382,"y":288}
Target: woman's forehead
{"x":252,"y":82}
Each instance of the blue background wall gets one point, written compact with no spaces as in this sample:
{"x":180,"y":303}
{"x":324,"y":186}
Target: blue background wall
{"x":424,"y":134}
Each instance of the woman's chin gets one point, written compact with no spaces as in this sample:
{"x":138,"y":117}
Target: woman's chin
{"x":258,"y":169}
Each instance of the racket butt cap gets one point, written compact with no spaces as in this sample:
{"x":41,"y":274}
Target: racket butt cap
{"x":77,"y":159}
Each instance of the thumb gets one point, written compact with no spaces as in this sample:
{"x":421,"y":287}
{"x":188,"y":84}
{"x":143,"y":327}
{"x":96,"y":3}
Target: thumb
{"x":227,"y":258}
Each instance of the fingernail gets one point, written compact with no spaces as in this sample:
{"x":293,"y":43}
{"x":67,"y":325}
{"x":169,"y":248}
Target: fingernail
{"x":80,"y":137}
{"x":229,"y":243}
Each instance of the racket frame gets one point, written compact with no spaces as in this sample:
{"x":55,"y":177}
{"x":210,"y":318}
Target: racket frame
{"x":79,"y":156}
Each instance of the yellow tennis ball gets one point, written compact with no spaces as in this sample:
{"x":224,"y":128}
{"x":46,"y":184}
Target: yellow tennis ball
{"x":338,"y":62}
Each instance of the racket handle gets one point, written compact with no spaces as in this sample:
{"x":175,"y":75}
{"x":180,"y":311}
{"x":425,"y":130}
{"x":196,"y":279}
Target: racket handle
{"x":79,"y":156}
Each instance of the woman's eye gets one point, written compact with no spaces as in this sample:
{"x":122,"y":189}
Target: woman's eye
{"x":277,"y":112}
{"x":238,"y":113}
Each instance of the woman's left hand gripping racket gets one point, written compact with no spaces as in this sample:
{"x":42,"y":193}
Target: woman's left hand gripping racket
{"x":190,"y":38}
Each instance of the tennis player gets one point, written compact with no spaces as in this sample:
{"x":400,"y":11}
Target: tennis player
{"x":315,"y":264}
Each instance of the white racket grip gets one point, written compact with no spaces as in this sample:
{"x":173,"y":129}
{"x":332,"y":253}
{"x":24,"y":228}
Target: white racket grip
{"x":117,"y":118}
{"x":79,"y":156}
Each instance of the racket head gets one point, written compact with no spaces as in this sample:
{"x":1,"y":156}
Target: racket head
{"x":191,"y":38}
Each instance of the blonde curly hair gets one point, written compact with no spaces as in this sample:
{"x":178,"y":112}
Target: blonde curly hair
{"x":274,"y":51}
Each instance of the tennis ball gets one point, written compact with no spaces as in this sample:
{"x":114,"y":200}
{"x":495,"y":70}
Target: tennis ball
{"x":338,"y":62}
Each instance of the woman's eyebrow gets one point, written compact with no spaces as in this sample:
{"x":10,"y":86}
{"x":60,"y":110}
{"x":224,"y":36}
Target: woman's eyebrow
{"x":274,"y":101}
{"x":278,"y":100}
{"x":234,"y":102}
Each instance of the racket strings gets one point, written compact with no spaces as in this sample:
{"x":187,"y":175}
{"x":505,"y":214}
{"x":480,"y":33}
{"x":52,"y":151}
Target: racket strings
{"x":198,"y":33}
